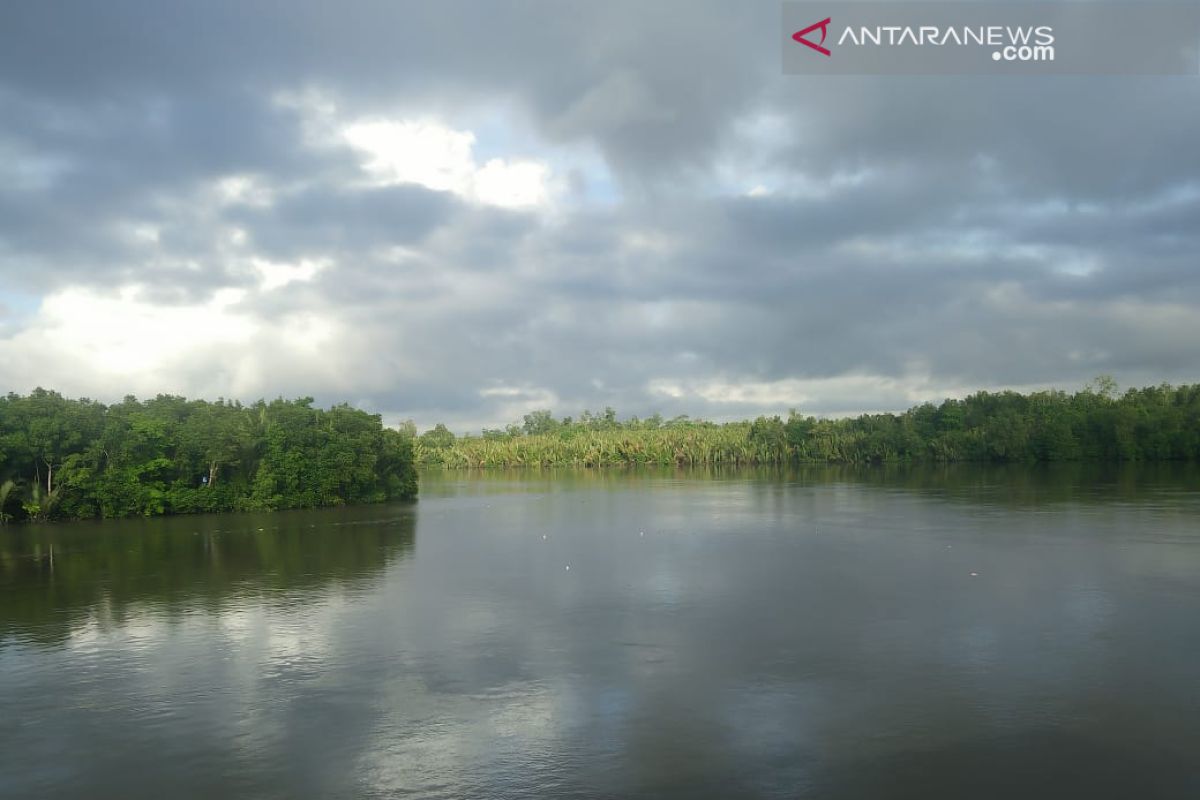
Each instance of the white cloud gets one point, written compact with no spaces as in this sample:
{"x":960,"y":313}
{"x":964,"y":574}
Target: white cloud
{"x":107,"y":344}
{"x":441,"y":158}
{"x":122,"y":333}
{"x":276,"y":274}
{"x":426,"y":153}
{"x":512,"y":185}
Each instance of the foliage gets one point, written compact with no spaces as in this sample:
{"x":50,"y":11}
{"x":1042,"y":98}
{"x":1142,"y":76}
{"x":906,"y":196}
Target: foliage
{"x":76,"y":459}
{"x":1160,"y":423}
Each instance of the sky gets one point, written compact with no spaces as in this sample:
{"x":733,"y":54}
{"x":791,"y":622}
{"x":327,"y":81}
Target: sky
{"x":461,"y":212}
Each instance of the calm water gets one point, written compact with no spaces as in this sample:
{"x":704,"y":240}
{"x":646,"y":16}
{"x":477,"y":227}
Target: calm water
{"x":958,"y":633}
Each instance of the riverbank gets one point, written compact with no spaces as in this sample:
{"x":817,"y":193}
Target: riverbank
{"x":1159,"y":423}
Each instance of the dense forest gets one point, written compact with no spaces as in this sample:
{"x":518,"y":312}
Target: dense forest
{"x":74,"y":459}
{"x":1158,"y":423}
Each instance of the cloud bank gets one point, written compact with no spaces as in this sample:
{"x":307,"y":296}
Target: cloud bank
{"x":460,"y":212}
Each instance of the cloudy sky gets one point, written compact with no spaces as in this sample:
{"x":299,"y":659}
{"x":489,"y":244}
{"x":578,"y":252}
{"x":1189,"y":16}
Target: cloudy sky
{"x":460,"y":212}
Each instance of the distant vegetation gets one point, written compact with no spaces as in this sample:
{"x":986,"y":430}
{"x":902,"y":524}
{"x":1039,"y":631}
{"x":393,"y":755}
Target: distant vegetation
{"x":75,"y":459}
{"x":1158,"y":423}
{"x":62,"y":458}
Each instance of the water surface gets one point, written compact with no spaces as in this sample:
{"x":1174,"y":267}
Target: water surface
{"x":956,"y":633}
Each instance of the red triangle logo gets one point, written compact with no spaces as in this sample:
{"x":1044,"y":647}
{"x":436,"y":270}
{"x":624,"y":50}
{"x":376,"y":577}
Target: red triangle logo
{"x":823,"y":26}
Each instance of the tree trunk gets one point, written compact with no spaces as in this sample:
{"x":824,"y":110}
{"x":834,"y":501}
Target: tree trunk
{"x":212,"y":474}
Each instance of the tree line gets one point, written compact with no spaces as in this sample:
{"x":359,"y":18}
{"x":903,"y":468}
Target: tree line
{"x":76,"y":459}
{"x":1157,"y":423}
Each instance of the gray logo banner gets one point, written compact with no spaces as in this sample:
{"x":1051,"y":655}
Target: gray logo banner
{"x":989,"y":38}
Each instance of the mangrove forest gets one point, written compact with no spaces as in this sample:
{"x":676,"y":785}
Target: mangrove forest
{"x":1157,"y":423}
{"x":76,"y":459}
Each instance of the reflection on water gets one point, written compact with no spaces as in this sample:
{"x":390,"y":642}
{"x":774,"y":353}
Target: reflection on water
{"x":54,"y":576}
{"x":955,"y":632}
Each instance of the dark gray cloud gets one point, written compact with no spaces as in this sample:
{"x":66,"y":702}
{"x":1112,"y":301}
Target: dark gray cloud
{"x":716,"y":238}
{"x":330,"y":220}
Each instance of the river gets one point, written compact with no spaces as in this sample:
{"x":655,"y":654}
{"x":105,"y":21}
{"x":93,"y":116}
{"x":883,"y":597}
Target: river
{"x":960,"y":632}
